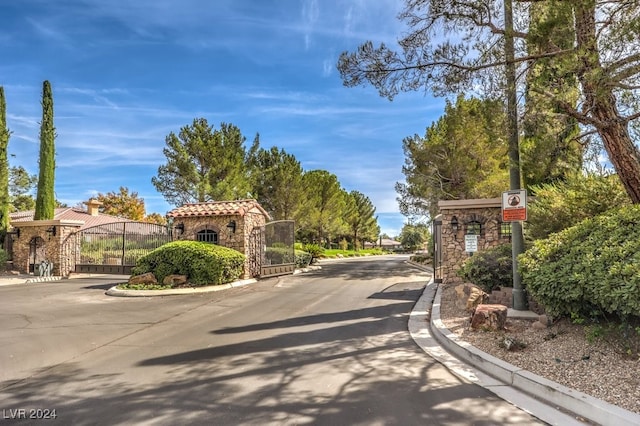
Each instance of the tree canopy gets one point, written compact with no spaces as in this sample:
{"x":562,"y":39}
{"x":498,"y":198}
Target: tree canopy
{"x":203,"y":164}
{"x":276,"y":181}
{"x":123,"y":204}
{"x":360,"y":219}
{"x":457,"y":46}
{"x":462,"y":155}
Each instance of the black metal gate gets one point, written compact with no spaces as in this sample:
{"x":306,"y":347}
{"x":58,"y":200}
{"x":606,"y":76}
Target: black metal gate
{"x":437,"y":248}
{"x":273,"y":251}
{"x":114,"y":248}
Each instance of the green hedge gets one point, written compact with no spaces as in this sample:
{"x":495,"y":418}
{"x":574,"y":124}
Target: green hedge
{"x":590,"y":269}
{"x":202,"y":263}
{"x":489,"y":269}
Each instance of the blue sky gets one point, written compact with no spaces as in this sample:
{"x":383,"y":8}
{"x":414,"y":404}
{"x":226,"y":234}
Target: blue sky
{"x":127,"y":73}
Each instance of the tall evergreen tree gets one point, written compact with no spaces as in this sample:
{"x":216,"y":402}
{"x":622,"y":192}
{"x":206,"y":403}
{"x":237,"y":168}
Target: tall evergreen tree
{"x":4,"y":167}
{"x":462,"y":155}
{"x":45,"y":197}
{"x":321,"y":217}
{"x":276,"y":180}
{"x":359,"y":216}
{"x":549,"y":149}
{"x":203,"y":164}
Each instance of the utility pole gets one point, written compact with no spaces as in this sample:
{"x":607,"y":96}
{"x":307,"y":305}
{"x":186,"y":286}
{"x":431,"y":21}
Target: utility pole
{"x":517,"y":238}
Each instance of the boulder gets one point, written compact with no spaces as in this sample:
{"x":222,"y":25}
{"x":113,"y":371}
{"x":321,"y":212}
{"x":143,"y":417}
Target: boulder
{"x":476,"y":297}
{"x":174,"y":280}
{"x":489,"y":317}
{"x":147,"y":278}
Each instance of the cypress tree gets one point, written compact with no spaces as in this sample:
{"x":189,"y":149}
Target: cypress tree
{"x":45,"y":198}
{"x":4,"y":167}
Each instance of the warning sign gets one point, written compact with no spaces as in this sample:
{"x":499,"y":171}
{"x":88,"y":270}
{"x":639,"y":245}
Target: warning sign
{"x":471,"y":243}
{"x":514,"y":205}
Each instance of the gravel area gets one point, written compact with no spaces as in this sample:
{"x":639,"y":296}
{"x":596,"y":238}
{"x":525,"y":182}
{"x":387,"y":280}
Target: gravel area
{"x":560,"y":352}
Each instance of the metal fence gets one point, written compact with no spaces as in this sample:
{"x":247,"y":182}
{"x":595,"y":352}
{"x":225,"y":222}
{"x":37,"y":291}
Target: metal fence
{"x":114,"y":248}
{"x":279,"y":256}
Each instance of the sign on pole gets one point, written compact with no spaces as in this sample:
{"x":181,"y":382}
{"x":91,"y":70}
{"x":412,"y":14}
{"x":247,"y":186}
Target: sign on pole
{"x":514,"y":205}
{"x":471,"y":243}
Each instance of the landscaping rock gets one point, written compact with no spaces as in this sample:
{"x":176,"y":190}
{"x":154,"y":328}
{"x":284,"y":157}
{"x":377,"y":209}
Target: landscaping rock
{"x":476,"y":298}
{"x":489,"y":317}
{"x":174,"y":280}
{"x":147,"y":278}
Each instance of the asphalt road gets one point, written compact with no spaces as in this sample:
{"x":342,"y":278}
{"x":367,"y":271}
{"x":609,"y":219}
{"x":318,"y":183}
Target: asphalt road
{"x":327,"y":347}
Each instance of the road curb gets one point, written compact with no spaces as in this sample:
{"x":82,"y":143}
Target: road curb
{"x":554,"y":394}
{"x":114,"y":291}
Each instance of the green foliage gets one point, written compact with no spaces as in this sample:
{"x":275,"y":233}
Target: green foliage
{"x":562,"y":204}
{"x":203,"y":164}
{"x":549,"y":149}
{"x":276,"y":181}
{"x":591,"y":269}
{"x":314,"y":250}
{"x":414,"y":237}
{"x":279,"y":255}
{"x":343,"y":244}
{"x":321,"y":213}
{"x":45,"y":197}
{"x":421,"y":258}
{"x":303,"y":259}
{"x":489,"y":269}
{"x":202,"y":263}
{"x":462,"y":155}
{"x":21,"y":184}
{"x":4,"y":257}
{"x":359,"y":218}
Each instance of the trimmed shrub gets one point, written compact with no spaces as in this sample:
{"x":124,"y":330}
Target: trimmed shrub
{"x":589,"y":270}
{"x":303,"y":259}
{"x":202,"y":263}
{"x":561,"y":205}
{"x":489,"y":269}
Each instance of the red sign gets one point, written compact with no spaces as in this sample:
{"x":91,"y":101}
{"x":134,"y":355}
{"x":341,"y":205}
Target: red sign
{"x":514,"y":205}
{"x":514,"y":215}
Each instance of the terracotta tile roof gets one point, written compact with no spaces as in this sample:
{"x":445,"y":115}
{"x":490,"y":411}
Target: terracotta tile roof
{"x":70,"y":213}
{"x":218,"y":208}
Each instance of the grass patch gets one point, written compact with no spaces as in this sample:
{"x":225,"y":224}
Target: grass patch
{"x":333,"y":253}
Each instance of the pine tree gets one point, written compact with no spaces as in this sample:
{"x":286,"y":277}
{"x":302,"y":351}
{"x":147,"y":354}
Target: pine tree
{"x":4,"y":167}
{"x":45,"y":198}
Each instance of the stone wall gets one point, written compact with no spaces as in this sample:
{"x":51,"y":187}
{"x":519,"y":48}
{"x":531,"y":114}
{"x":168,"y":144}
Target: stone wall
{"x":37,"y":242}
{"x":239,"y":240}
{"x":469,"y":215}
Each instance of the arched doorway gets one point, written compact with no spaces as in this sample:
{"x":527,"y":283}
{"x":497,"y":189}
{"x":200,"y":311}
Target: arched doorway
{"x":36,"y":252}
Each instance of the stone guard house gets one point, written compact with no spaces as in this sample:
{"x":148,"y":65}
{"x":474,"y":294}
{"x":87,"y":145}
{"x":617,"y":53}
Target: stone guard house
{"x":35,"y":241}
{"x":457,"y":218}
{"x":227,"y":223}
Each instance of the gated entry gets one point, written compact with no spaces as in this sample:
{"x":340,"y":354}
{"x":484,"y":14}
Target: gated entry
{"x":114,"y":248}
{"x":272,"y":249}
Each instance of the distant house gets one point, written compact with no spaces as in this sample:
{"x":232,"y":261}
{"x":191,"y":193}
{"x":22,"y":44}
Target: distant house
{"x":89,"y":217}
